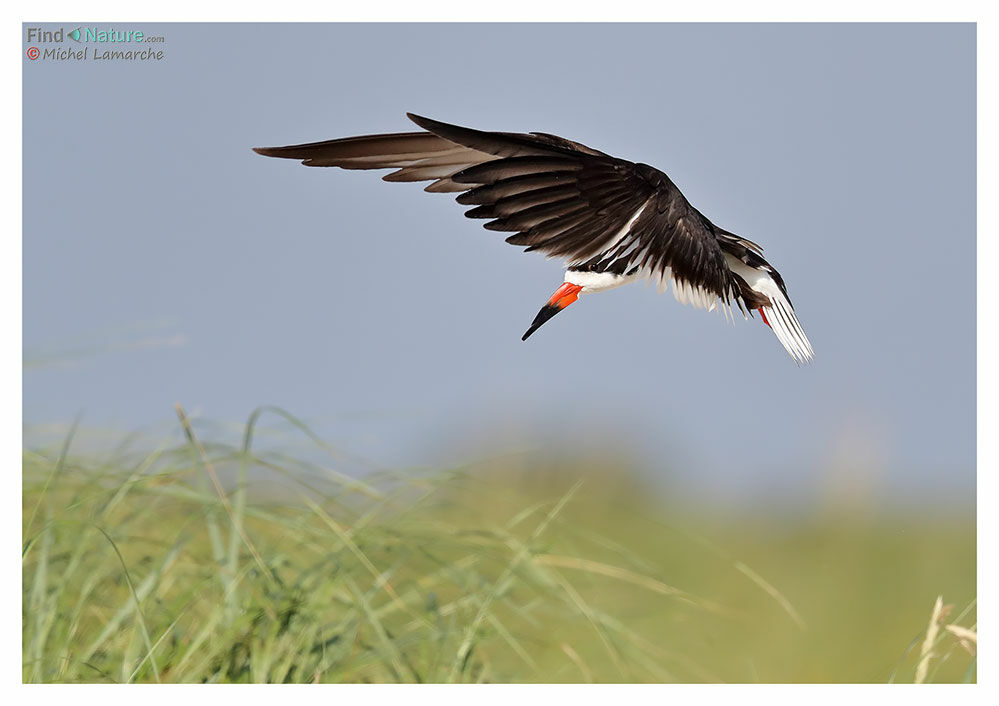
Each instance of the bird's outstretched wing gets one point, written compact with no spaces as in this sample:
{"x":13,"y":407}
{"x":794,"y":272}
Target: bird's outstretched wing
{"x":598,"y":212}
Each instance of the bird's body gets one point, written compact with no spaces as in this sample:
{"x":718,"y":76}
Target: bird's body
{"x":612,"y":220}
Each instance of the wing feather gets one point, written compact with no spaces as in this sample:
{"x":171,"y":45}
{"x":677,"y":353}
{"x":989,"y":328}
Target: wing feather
{"x":500,"y":169}
{"x":490,"y":193}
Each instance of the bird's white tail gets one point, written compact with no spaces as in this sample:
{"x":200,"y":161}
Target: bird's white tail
{"x":780,"y":317}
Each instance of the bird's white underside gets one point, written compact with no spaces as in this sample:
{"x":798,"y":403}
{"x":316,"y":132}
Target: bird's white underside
{"x":780,"y":314}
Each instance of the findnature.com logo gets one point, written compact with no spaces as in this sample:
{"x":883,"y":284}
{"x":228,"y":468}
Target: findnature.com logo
{"x":92,"y":35}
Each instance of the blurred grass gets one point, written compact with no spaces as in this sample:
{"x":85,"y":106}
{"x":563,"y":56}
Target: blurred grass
{"x":184,"y":565}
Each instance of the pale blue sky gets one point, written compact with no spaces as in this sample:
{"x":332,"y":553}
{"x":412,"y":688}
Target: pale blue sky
{"x":173,"y":264}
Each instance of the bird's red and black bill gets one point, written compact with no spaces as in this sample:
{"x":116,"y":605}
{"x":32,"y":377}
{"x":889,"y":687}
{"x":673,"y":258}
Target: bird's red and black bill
{"x":563,"y":297}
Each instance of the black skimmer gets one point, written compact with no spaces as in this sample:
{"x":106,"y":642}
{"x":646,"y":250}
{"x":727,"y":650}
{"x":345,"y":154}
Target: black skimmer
{"x":612,"y":220}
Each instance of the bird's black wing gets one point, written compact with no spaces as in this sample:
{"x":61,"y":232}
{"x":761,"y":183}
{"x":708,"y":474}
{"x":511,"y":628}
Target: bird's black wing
{"x":557,"y":196}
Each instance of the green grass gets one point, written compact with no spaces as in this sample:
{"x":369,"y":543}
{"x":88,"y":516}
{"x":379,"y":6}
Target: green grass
{"x":185,"y":565}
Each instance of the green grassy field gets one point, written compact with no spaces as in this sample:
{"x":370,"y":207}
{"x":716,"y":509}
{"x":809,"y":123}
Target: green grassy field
{"x":184,"y":565}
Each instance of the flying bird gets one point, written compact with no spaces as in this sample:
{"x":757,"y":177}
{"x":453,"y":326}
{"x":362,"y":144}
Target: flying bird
{"x":613,"y":221}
